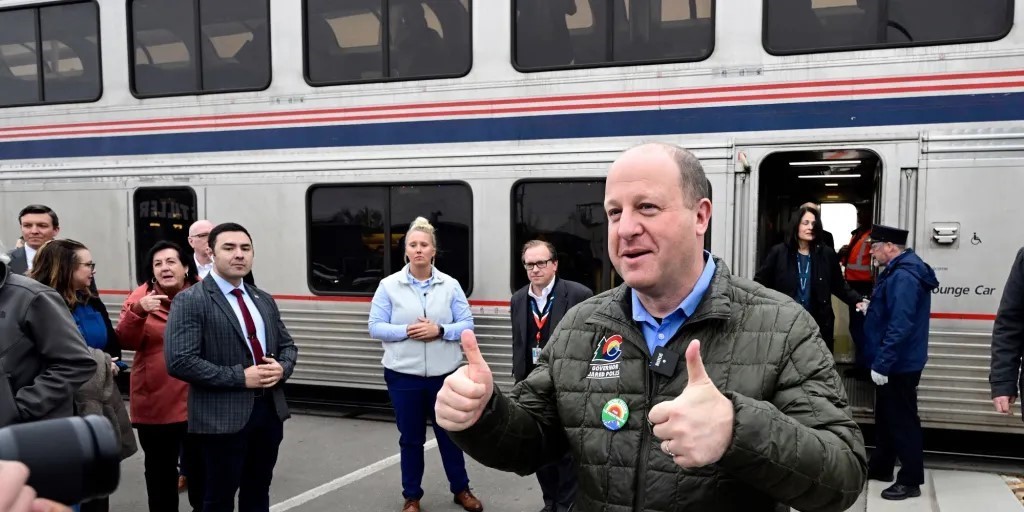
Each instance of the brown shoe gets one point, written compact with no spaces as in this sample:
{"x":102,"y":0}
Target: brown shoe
{"x":411,"y":506}
{"x":182,"y":483}
{"x":469,"y":502}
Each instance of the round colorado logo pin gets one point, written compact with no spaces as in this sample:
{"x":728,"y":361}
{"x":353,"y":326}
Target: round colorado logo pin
{"x":614,"y":414}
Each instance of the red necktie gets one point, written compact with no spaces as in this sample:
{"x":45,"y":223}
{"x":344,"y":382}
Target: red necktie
{"x":250,"y":326}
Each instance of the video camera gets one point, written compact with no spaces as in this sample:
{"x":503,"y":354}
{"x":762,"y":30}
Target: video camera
{"x":70,"y":460}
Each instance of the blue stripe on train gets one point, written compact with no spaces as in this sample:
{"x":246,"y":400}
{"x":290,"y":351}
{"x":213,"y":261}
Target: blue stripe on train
{"x":743,"y":118}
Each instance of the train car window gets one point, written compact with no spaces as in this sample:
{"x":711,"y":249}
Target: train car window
{"x":356,"y":234}
{"x":559,"y":34}
{"x":569,"y":214}
{"x":811,"y":26}
{"x":348,"y":42}
{"x":208,"y":46}
{"x":161,"y":213}
{"x":50,"y":54}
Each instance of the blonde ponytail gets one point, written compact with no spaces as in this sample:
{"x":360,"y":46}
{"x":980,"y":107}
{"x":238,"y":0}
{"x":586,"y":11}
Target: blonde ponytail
{"x":423,"y":225}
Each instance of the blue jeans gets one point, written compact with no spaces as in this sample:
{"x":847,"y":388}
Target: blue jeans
{"x":413,"y":399}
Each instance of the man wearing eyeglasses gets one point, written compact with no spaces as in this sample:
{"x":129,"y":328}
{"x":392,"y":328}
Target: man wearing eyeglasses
{"x":896,"y":331}
{"x":198,"y":233}
{"x":536,"y":310}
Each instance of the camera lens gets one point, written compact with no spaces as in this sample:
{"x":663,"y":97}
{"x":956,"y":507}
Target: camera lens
{"x":70,"y":459}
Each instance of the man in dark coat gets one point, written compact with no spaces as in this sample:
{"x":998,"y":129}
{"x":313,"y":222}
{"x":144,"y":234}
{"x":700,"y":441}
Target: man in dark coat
{"x":1008,"y":340}
{"x":536,"y":310}
{"x":896,"y":330}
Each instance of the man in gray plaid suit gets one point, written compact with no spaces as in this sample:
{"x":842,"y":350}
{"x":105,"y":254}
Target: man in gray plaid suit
{"x":226,"y":339}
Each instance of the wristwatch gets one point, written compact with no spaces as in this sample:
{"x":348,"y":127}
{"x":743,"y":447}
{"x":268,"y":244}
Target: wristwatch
{"x":440,"y":331}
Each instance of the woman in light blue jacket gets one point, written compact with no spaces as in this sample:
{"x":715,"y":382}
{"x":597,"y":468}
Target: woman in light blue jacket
{"x":419,"y":314}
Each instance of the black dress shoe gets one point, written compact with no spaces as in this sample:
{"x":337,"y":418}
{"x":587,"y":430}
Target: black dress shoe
{"x":901,"y":492}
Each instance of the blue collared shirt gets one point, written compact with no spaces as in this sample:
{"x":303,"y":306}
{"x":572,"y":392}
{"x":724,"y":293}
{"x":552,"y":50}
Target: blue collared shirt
{"x":657,"y":334}
{"x":382,"y":329}
{"x":261,"y":328}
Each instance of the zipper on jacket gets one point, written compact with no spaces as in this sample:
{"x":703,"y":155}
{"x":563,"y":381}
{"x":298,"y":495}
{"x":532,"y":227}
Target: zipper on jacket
{"x":425,"y":366}
{"x":425,"y":360}
{"x":640,"y":481}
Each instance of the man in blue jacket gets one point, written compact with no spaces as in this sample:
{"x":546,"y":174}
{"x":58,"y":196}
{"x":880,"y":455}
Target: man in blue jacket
{"x":896,"y":330}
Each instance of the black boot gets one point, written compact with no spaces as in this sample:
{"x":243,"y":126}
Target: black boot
{"x":901,"y":492}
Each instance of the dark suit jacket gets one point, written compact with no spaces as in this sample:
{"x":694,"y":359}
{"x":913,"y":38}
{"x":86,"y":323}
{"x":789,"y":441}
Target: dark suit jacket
{"x":779,"y":272}
{"x":204,"y":346}
{"x":567,"y":294}
{"x":19,"y":261}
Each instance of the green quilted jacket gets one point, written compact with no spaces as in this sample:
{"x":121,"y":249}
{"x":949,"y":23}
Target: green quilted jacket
{"x":794,"y":440}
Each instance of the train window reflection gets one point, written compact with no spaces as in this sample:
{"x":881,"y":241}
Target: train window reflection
{"x":50,"y":54}
{"x":349,"y":42}
{"x":356,"y":234}
{"x":161,"y":213}
{"x":557,"y":34}
{"x":808,"y":26}
{"x":186,"y":47}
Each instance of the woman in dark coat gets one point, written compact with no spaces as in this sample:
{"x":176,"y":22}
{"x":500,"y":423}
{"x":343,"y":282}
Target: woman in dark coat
{"x":808,"y":271}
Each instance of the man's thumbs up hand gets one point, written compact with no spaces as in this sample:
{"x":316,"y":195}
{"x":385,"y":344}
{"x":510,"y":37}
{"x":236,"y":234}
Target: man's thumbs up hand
{"x":465,"y":393}
{"x":696,"y":427}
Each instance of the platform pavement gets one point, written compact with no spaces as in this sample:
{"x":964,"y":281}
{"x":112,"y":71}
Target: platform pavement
{"x":330,"y":464}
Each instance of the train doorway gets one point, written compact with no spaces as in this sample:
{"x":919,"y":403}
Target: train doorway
{"x":844,"y":184}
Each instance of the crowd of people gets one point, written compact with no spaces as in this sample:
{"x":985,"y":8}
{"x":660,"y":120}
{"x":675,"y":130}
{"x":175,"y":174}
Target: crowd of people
{"x":685,"y":388}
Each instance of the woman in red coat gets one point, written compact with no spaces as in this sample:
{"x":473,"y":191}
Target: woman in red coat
{"x":158,"y":401}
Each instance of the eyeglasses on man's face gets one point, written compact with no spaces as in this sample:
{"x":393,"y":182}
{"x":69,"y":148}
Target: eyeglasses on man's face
{"x":541,"y":265}
{"x":199,"y":235}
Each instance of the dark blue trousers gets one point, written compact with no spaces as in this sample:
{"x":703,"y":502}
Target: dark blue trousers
{"x":413,"y":398}
{"x":242,"y":462}
{"x":558,"y":484}
{"x":898,"y":430}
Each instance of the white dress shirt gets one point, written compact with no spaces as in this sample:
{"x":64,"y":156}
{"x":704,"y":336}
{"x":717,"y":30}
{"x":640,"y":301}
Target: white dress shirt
{"x":261,"y":329}
{"x":204,"y":270}
{"x":542,"y":299}
{"x":30,"y":254}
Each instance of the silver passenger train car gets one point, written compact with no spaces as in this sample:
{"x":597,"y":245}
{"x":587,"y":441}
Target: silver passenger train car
{"x":326,"y":126}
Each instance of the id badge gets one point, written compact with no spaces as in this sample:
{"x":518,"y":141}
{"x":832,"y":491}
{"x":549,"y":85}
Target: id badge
{"x":536,"y":354}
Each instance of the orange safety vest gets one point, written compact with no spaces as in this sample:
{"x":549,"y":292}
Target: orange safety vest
{"x":858,"y":259}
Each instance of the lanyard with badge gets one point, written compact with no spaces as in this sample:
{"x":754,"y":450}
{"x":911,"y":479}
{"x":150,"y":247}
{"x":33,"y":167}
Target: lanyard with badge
{"x":540,"y":319}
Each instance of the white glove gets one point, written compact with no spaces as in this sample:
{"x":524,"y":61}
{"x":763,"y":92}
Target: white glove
{"x":880,"y":380}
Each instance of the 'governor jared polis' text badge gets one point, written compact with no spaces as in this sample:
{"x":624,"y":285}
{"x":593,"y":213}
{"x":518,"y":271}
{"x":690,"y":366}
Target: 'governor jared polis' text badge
{"x":614,"y":414}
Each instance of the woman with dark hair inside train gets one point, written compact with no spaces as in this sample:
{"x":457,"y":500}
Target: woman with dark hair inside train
{"x":807,"y":270}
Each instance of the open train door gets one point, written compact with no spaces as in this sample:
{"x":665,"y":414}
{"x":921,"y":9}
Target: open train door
{"x":773,"y":181}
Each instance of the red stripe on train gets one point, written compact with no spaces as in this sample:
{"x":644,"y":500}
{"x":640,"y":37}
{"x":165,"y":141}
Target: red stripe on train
{"x":12,"y":132}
